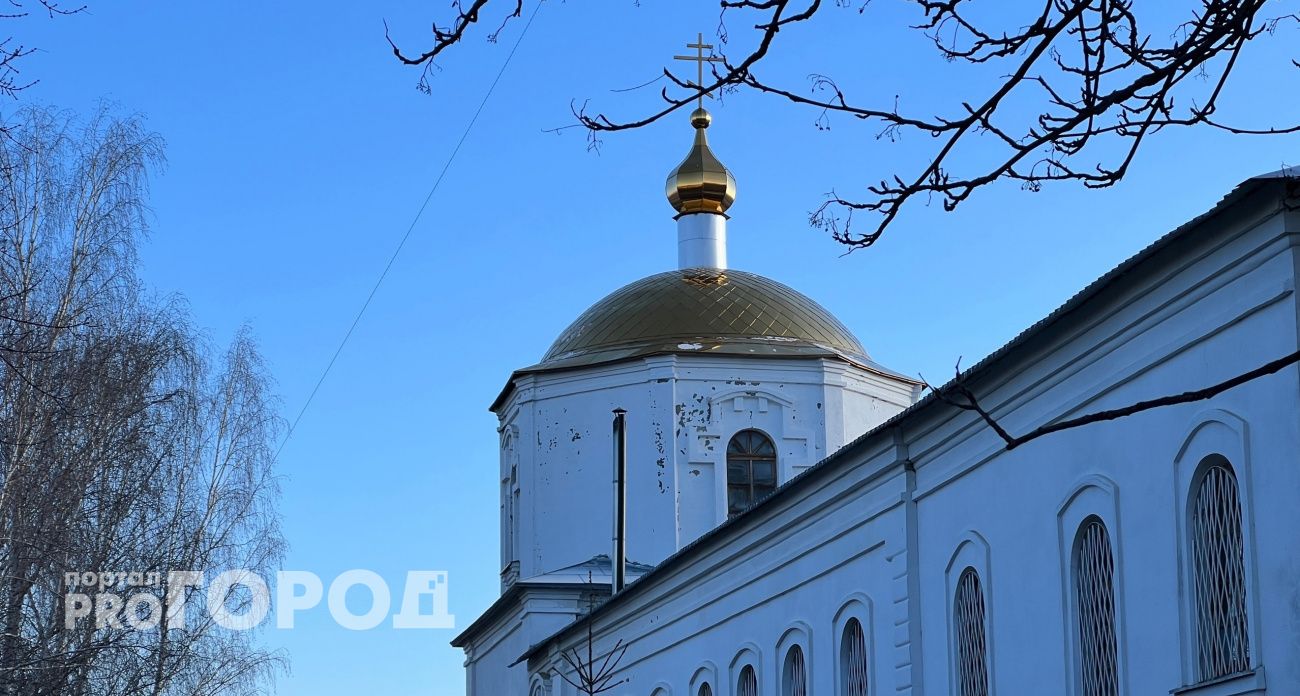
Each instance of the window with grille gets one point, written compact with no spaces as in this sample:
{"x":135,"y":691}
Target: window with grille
{"x":1219,"y":574}
{"x":751,"y":470}
{"x":968,"y":622}
{"x":747,"y":685}
{"x":794,"y":675}
{"x":853,"y":660}
{"x":1094,"y":602}
{"x":705,"y":690}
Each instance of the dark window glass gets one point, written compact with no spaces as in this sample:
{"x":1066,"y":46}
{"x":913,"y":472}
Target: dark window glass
{"x":748,"y":684}
{"x":751,"y":470}
{"x":853,"y":660}
{"x":794,"y":676}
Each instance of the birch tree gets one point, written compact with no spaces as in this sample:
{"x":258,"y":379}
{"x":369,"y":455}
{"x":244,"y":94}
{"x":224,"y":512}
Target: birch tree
{"x":127,"y":443}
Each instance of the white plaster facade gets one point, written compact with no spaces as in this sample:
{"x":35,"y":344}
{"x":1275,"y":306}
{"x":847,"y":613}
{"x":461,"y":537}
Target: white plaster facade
{"x":682,"y":410}
{"x":881,"y":530}
{"x":556,"y":468}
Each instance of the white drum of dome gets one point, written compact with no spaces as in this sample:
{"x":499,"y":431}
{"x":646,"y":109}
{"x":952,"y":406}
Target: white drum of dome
{"x":702,"y":241}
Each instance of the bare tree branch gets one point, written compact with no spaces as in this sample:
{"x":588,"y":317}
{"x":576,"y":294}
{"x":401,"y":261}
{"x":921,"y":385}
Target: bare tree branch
{"x":957,"y":394}
{"x":1081,"y":76}
{"x":445,"y":37}
{"x":588,"y":677}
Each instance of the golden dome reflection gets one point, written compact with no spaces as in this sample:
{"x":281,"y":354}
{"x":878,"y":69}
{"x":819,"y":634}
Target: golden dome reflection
{"x":703,"y":310}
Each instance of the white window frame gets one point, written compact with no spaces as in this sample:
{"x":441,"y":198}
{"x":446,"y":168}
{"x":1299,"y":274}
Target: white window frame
{"x":510,"y":498}
{"x":1092,"y":496}
{"x":856,"y":606}
{"x":706,"y":673}
{"x":797,"y":445}
{"x":1215,"y":433}
{"x":800,"y":634}
{"x":972,"y":552}
{"x":747,"y":655}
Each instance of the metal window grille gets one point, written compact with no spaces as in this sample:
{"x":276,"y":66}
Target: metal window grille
{"x":968,"y":618}
{"x":853,"y":659}
{"x":796,"y":678}
{"x":748,"y":684}
{"x":751,"y":470}
{"x":705,"y":690}
{"x":1094,"y":583}
{"x":1218,"y":569}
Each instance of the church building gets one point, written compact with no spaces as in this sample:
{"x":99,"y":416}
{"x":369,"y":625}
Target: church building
{"x":800,"y":519}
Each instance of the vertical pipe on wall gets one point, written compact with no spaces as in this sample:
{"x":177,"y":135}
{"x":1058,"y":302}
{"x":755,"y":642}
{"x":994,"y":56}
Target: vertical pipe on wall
{"x":619,"y":559}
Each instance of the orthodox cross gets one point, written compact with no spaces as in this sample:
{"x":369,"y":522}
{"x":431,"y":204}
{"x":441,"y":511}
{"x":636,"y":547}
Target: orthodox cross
{"x":700,"y":59}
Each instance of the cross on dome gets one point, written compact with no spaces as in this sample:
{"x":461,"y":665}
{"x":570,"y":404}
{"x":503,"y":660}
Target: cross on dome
{"x":700,"y":59}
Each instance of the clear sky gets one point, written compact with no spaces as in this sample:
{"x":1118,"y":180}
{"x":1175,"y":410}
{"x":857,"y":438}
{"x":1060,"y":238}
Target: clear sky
{"x":299,"y":151}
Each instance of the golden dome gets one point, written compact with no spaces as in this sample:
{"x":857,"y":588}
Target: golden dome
{"x":700,"y":184}
{"x":703,"y":311}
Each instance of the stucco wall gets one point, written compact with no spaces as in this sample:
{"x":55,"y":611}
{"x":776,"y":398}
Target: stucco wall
{"x":682,"y":411}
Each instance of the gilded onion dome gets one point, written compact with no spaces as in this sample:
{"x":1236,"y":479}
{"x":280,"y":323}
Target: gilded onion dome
{"x":700,"y":184}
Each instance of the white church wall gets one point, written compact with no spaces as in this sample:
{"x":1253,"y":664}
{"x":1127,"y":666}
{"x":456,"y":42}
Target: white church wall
{"x":1027,"y":582}
{"x":808,"y":567}
{"x":492,"y":663}
{"x":1227,"y":308}
{"x":857,"y":400}
{"x":487,"y":661}
{"x":682,"y":412}
{"x":566,"y":469}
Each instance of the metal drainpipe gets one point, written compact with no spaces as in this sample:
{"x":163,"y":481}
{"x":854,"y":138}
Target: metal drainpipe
{"x":619,"y":560}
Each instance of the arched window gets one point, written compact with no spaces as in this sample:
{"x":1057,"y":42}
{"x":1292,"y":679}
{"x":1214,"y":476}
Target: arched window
{"x":1094,"y":597}
{"x":747,"y":685}
{"x":794,"y":675}
{"x":968,"y":623}
{"x":1219,"y":574}
{"x":751,"y":470}
{"x":705,"y":690}
{"x":510,"y":517}
{"x":853,"y":660}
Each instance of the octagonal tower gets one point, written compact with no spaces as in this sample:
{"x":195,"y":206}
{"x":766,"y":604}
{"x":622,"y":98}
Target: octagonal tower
{"x":696,"y":356}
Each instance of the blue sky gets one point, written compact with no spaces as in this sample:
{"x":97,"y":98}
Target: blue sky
{"x":299,"y":150}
